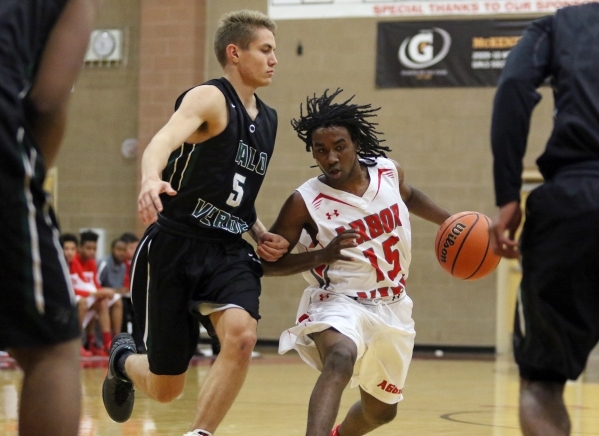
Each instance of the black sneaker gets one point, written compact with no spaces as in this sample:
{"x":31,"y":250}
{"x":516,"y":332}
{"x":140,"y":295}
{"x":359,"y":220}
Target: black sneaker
{"x":117,"y":390}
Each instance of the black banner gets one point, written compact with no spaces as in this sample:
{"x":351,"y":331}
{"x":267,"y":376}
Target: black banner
{"x":444,"y":53}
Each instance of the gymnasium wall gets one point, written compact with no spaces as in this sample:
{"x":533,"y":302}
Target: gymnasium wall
{"x":97,"y":186}
{"x":440,"y":137}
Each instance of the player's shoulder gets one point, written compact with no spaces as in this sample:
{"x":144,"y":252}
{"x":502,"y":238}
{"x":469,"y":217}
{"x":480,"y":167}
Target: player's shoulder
{"x":208,"y":92}
{"x":382,"y":162}
{"x":309,"y":185}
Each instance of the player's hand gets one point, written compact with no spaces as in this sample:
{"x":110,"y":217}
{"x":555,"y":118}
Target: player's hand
{"x":503,"y":231}
{"x":271,"y":246}
{"x":148,"y":202}
{"x":332,"y":252}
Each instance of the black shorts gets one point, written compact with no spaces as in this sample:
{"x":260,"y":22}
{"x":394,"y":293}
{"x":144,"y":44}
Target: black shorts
{"x":183,"y":272}
{"x":37,"y":304}
{"x":557,"y":315}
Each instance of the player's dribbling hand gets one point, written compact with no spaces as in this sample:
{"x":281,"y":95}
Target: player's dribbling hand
{"x":347,"y":239}
{"x":271,"y":246}
{"x":148,"y":202}
{"x":508,"y":220}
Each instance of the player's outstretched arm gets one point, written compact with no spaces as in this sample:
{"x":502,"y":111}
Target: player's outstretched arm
{"x":59,"y":67}
{"x":201,"y":115}
{"x":292,"y":219}
{"x":419,"y":203}
{"x":270,"y":246}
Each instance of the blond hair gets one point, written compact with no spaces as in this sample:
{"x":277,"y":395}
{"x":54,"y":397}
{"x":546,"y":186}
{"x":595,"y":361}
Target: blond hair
{"x":239,"y":28}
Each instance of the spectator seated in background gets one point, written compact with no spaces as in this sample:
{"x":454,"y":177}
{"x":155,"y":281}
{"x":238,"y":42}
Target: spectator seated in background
{"x":83,"y":290}
{"x":112,"y":268}
{"x":108,"y":305}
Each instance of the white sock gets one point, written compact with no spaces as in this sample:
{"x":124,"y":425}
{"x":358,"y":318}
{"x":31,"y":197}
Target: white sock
{"x":198,"y":432}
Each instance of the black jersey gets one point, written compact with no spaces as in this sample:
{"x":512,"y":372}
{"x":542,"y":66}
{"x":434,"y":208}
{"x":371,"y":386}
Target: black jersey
{"x":217,"y":181}
{"x":564,"y":47}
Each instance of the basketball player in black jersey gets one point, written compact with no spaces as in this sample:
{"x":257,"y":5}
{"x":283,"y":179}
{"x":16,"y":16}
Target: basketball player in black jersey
{"x":201,"y":174}
{"x":556,"y":322}
{"x":42,"y":46}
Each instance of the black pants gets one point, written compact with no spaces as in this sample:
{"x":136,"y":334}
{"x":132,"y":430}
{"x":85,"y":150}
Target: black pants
{"x":557,"y":316}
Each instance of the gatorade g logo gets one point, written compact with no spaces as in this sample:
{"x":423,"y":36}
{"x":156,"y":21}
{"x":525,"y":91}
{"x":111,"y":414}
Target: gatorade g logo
{"x":419,"y":50}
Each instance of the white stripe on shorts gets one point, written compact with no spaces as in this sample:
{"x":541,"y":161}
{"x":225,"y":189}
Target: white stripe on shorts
{"x":36,"y":261}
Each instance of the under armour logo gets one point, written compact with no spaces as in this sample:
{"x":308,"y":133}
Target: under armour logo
{"x":330,"y":215}
{"x":323,"y":297}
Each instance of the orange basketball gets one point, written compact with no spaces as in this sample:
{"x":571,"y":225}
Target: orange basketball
{"x":463,"y":247}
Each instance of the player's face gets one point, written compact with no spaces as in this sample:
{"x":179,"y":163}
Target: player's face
{"x":257,"y":62}
{"x":88,"y":250}
{"x":335,"y":153}
{"x":119,"y":251}
{"x":70,"y":249}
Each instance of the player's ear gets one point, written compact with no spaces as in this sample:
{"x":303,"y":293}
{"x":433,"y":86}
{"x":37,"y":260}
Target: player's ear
{"x":232,"y":53}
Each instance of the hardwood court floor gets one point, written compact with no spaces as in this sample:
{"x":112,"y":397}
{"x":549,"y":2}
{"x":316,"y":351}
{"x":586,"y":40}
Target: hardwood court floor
{"x":452,"y":395}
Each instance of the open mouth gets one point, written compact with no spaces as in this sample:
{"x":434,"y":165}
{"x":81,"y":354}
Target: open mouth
{"x":334,"y":173}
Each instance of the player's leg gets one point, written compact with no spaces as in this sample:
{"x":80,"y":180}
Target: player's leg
{"x":366,"y":415}
{"x":162,"y":388}
{"x":51,"y":376}
{"x":555,"y":325}
{"x":338,"y":355}
{"x":236,"y":330}
{"x":542,"y":409}
{"x":162,"y":306}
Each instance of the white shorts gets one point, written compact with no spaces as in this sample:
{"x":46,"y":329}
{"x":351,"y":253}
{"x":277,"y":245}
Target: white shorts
{"x":382,"y":331}
{"x":89,"y":302}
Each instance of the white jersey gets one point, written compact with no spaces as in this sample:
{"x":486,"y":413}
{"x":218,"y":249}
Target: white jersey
{"x":382,"y":257}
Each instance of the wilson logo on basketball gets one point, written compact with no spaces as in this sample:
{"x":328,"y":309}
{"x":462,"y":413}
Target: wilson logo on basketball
{"x":388,"y":387}
{"x":450,"y":240}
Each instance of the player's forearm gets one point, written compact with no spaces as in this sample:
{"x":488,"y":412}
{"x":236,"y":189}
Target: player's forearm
{"x":257,"y":230}
{"x":421,"y":205}
{"x":155,"y":158}
{"x":293,"y":263}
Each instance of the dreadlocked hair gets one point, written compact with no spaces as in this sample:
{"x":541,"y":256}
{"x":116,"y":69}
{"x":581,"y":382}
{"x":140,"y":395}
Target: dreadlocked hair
{"x":321,"y":112}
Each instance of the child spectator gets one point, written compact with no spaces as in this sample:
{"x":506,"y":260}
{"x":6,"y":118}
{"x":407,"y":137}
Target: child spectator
{"x":70,"y":243}
{"x":108,"y":304}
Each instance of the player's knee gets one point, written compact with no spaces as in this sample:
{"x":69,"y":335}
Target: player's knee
{"x":166,"y":391}
{"x":341,"y":361}
{"x":240,"y":341}
{"x":382,"y":416}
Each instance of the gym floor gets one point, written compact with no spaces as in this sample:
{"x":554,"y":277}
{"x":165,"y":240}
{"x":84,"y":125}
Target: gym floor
{"x":454,"y":394}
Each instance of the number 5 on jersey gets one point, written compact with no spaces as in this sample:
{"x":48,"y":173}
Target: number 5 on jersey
{"x":234,"y":199}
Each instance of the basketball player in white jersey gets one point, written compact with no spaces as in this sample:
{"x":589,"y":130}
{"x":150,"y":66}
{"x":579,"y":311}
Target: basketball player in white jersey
{"x":352,"y":228}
